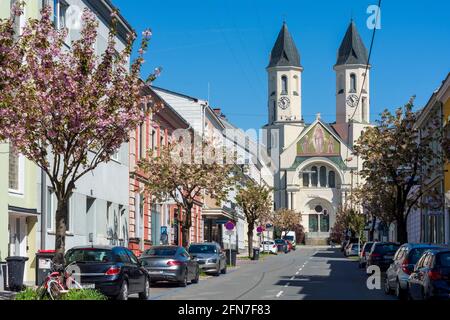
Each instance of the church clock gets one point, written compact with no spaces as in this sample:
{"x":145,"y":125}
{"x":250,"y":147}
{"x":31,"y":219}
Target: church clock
{"x":284,"y":103}
{"x":352,"y":101}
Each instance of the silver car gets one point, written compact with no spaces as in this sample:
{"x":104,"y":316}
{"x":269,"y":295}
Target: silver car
{"x":209,"y":256}
{"x":398,"y":273}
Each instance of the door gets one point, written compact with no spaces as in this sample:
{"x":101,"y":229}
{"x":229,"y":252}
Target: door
{"x":137,"y":275}
{"x":17,"y":236}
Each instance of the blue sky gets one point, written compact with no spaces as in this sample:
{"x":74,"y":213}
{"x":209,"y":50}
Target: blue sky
{"x":227,"y":44}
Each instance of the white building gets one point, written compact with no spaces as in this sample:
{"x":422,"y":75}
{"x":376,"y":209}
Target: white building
{"x":98,"y":210}
{"x":317,"y":166}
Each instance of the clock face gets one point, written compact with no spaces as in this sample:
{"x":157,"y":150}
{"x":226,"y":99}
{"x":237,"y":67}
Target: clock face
{"x":284,"y":103}
{"x":352,"y":101}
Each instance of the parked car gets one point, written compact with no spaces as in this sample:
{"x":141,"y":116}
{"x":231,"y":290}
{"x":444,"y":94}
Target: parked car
{"x":398,"y":273}
{"x":364,"y":254}
{"x":210,"y":257}
{"x":269,"y":246}
{"x":382,"y":254}
{"x":170,"y":263}
{"x":431,"y":276}
{"x":282,"y":245}
{"x":352,"y":250}
{"x":114,"y":271}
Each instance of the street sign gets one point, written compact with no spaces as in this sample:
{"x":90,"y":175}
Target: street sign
{"x":229,"y":225}
{"x":229,"y":232}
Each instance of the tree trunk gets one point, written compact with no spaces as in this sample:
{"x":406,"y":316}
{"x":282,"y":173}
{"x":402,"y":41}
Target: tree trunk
{"x":62,"y":213}
{"x":402,"y":231}
{"x":187,"y":224}
{"x":251,"y":226}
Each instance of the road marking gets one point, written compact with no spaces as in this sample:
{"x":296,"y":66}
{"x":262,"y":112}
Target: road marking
{"x":287,"y":285}
{"x":279,"y":294}
{"x":293,"y":278}
{"x":297,"y":273}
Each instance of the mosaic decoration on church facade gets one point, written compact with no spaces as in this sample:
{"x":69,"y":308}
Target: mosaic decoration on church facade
{"x":318,"y":142}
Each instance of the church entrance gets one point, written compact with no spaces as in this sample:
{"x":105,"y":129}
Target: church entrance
{"x":318,"y":220}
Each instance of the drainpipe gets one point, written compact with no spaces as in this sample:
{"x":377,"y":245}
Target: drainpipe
{"x":43,"y":209}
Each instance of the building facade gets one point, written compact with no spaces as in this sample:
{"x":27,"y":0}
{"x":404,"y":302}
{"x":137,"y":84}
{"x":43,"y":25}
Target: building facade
{"x":99,"y":206}
{"x":317,"y":166}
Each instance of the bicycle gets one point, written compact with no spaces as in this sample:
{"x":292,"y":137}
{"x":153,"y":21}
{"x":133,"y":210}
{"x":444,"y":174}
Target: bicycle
{"x":58,"y":282}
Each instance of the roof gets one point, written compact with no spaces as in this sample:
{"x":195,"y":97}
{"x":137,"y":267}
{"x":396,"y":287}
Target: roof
{"x":284,"y":52}
{"x":352,"y":49}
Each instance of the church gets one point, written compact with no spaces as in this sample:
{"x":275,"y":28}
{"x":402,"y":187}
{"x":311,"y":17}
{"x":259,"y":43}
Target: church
{"x":317,"y":166}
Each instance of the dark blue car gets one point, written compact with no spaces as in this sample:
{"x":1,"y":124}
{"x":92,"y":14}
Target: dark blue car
{"x":431,"y":276}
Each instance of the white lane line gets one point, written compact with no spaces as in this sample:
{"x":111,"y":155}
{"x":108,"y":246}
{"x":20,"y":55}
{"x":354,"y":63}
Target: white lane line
{"x":287,"y":285}
{"x":279,"y":294}
{"x":297,"y":273}
{"x":293,"y":278}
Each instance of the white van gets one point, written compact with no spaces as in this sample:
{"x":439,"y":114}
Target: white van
{"x":290,"y":236}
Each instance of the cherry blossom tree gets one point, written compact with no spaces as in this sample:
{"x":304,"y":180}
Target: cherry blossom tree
{"x":185,"y":174}
{"x":286,"y":220}
{"x":67,"y":110}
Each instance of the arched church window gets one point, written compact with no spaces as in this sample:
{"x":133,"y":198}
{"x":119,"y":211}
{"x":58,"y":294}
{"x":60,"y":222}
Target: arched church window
{"x":332,"y":179}
{"x":323,"y":176}
{"x":314,"y":176}
{"x":364,"y":109}
{"x":353,"y":82}
{"x":284,"y":85}
{"x":306,"y":179}
{"x":297,"y":85}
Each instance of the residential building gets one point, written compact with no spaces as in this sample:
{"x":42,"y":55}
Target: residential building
{"x":317,"y":165}
{"x":19,"y":212}
{"x":99,"y":206}
{"x":148,"y":218}
{"x":430,"y":222}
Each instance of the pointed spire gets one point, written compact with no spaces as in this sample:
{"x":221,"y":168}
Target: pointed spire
{"x":352,"y":49}
{"x":284,"y":52}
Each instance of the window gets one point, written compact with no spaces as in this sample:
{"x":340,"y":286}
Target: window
{"x":19,"y":22}
{"x":306,"y":179}
{"x":50,"y":208}
{"x":274,"y":110}
{"x":14,"y":170}
{"x":314,"y":176}
{"x":141,"y":141}
{"x":284,"y":85}
{"x":132,"y":257}
{"x":323,"y":177}
{"x":297,"y":85}
{"x":331,"y":179}
{"x":341,"y":84}
{"x":353,"y":82}
{"x":313,"y":223}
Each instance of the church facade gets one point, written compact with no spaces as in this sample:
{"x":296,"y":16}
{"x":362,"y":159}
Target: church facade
{"x":317,"y":167}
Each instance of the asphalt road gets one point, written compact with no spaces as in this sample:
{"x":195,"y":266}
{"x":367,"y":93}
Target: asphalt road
{"x":310,"y":273}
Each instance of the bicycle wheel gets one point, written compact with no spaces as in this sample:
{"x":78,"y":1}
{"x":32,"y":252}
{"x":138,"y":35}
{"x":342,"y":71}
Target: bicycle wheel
{"x":54,"y":290}
{"x":71,"y":283}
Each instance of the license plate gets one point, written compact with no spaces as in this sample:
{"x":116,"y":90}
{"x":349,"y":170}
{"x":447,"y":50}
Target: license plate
{"x":155,"y":272}
{"x":88,"y":285}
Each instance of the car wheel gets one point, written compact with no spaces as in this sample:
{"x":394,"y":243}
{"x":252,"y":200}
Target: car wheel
{"x":399,"y":293}
{"x":146,"y":293}
{"x":387,"y":287}
{"x":197,"y":277}
{"x":123,"y":294}
{"x":184,"y":282}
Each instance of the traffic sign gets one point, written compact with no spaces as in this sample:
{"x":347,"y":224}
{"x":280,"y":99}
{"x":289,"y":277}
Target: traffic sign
{"x":230,"y":225}
{"x":260,"y":229}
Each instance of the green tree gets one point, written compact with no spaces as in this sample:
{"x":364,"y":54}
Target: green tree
{"x":255,"y":201}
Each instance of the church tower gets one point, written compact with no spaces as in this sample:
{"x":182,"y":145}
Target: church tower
{"x":285,"y":79}
{"x":352,"y":91}
{"x":284,"y":92}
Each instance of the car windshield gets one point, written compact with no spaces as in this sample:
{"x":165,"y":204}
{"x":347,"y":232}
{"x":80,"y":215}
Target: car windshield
{"x":279,"y":241}
{"x":416,"y":254}
{"x":355,"y":246}
{"x":159,"y":251}
{"x":444,"y":259}
{"x":387,"y":248}
{"x":290,"y":238}
{"x":202,"y":248}
{"x":89,"y":255}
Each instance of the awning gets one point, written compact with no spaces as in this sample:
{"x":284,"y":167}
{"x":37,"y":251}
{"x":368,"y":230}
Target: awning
{"x":23,"y":211}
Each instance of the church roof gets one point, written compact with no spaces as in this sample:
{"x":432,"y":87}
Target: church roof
{"x":284,"y":52}
{"x":352,"y":49}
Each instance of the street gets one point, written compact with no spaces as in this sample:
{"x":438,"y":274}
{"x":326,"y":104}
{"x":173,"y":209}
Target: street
{"x":309,"y":273}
